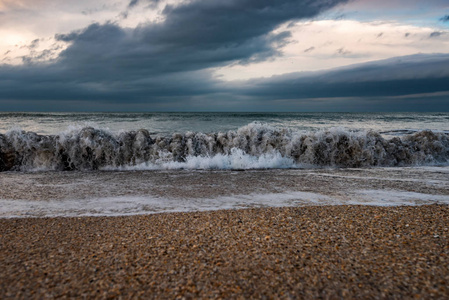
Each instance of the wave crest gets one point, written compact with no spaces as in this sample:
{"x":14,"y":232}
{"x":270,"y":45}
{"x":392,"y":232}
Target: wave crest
{"x":252,"y":146}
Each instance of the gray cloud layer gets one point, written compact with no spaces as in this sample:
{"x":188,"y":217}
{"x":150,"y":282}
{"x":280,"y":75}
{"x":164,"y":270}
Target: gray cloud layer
{"x":409,"y":75}
{"x":198,"y":35}
{"x":166,"y":65}
{"x":107,"y":62}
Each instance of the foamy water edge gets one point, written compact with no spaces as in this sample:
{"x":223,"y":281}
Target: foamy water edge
{"x":140,"y":205}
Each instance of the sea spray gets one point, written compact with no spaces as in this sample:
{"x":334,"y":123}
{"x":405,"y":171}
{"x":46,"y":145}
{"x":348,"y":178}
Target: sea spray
{"x":252,"y":146}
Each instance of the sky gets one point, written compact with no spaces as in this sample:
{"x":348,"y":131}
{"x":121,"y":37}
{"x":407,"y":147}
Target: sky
{"x":224,"y":55}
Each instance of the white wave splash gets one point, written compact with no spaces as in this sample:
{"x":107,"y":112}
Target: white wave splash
{"x":237,"y":159}
{"x":250,"y":147}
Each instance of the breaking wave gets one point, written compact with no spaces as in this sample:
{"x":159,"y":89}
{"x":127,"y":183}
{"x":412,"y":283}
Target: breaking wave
{"x":253,"y":146}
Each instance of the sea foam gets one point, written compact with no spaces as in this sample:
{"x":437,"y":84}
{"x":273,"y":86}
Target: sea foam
{"x":138,"y":205}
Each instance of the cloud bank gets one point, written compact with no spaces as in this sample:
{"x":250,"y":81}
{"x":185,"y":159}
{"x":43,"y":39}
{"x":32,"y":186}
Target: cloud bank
{"x":416,"y":82}
{"x":168,"y":65}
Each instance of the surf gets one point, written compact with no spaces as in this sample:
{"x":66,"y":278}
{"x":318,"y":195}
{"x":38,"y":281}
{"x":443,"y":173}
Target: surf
{"x":254,"y":146}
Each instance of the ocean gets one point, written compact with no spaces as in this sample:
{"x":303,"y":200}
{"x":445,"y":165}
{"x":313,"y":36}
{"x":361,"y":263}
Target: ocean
{"x":169,"y":123}
{"x":76,"y":164}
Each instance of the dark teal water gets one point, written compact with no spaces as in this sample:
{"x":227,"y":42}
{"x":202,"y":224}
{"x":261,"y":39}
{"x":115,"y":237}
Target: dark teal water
{"x":167,"y":123}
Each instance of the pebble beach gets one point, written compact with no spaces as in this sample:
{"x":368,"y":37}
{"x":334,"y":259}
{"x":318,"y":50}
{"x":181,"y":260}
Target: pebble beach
{"x":326,"y":252}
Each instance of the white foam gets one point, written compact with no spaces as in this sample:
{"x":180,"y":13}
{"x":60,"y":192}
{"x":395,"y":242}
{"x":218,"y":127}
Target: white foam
{"x":124,"y":206}
{"x":237,"y":159}
{"x":396,"y":198}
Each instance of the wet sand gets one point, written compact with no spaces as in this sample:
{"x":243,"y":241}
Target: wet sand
{"x":324,"y":252}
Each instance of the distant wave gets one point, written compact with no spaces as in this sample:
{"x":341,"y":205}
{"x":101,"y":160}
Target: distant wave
{"x":253,"y":146}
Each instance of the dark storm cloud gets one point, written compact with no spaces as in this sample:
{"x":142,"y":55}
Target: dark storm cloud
{"x":167,"y":65}
{"x":197,"y":35}
{"x":107,"y":48}
{"x":107,"y":62}
{"x":412,"y":83}
{"x":445,"y":18}
{"x":404,"y":76}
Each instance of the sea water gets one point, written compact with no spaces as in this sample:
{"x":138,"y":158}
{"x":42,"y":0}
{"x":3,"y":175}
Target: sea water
{"x":203,"y":161}
{"x":169,"y":123}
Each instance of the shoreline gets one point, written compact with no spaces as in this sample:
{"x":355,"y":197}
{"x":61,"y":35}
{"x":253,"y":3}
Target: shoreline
{"x":300,"y":252}
{"x":144,"y":192}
